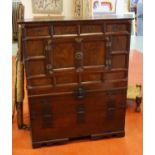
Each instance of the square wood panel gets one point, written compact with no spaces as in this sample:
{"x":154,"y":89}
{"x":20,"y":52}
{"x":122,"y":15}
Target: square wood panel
{"x":91,"y":28}
{"x":66,"y":78}
{"x":96,"y":77}
{"x":67,"y":29}
{"x":116,"y":27}
{"x":63,"y":55}
{"x":94,"y":53}
{"x":36,"y":67}
{"x":122,"y":41}
{"x":35,"y":48}
{"x":119,"y":61}
{"x":41,"y":81}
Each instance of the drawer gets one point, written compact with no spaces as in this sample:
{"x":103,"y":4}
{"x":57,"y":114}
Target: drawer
{"x":91,"y":83}
{"x":116,"y":27}
{"x":67,"y":117}
{"x":38,"y":31}
{"x":65,"y":29}
{"x":90,"y":28}
{"x":66,"y":126}
{"x":64,"y":104}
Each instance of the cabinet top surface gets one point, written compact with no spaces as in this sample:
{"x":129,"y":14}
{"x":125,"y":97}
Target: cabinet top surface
{"x":60,"y":19}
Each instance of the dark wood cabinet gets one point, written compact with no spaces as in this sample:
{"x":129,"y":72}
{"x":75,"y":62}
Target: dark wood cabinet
{"x":77,"y":75}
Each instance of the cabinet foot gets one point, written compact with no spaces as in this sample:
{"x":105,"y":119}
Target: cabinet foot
{"x":50,"y":142}
{"x":108,"y":134}
{"x":138,"y":103}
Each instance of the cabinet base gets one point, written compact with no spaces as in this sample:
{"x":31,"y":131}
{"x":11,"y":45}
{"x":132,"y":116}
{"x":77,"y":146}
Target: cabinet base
{"x":66,"y":140}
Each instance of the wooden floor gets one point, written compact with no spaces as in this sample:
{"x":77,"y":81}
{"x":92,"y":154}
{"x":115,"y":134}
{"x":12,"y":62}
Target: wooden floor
{"x":131,"y":144}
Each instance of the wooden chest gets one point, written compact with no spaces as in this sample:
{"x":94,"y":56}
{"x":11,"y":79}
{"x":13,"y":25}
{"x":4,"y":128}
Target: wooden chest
{"x":77,"y":75}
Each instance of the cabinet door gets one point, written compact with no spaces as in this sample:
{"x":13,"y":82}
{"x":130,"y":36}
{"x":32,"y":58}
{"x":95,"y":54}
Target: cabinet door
{"x":94,"y":59}
{"x":75,"y":61}
{"x":62,"y":64}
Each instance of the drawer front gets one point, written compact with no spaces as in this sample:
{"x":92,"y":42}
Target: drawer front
{"x":65,"y":29}
{"x":116,"y":27}
{"x":91,"y":28}
{"x":38,"y":31}
{"x":69,"y":117}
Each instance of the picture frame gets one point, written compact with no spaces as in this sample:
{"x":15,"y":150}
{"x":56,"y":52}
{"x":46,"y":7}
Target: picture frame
{"x":103,"y":7}
{"x":78,"y":8}
{"x":87,"y":8}
{"x":47,"y":6}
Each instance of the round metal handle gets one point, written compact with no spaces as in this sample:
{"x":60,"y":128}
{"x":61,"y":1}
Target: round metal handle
{"x":79,"y":55}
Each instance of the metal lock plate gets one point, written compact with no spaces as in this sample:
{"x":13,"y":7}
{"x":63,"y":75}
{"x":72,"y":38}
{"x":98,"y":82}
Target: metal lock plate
{"x":80,"y":93}
{"x":79,"y":56}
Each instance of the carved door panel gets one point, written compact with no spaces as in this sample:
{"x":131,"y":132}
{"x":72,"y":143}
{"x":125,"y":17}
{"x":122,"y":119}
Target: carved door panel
{"x":68,"y":62}
{"x":120,"y":51}
{"x":60,"y":60}
{"x":77,"y":60}
{"x":95,"y":56}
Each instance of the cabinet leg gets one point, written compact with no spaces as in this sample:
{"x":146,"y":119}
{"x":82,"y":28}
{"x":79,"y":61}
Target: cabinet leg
{"x":21,"y":125}
{"x":138,"y":103}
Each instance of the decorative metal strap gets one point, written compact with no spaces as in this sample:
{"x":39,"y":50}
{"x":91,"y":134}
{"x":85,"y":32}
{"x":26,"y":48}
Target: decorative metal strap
{"x":80,"y":113}
{"x":109,"y":50}
{"x":47,"y":120}
{"x":47,"y":115}
{"x":48,"y":49}
{"x":79,"y":54}
{"x":80,"y":93}
{"x":111,"y":109}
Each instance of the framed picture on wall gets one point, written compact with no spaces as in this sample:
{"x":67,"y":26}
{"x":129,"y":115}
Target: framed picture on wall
{"x":82,"y":8}
{"x":78,"y":8}
{"x":103,"y":6}
{"x":133,"y":5}
{"x":47,"y":6}
{"x":87,"y":8}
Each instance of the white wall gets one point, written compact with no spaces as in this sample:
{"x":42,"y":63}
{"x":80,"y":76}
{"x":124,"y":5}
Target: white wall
{"x":67,"y":8}
{"x":120,"y":7}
